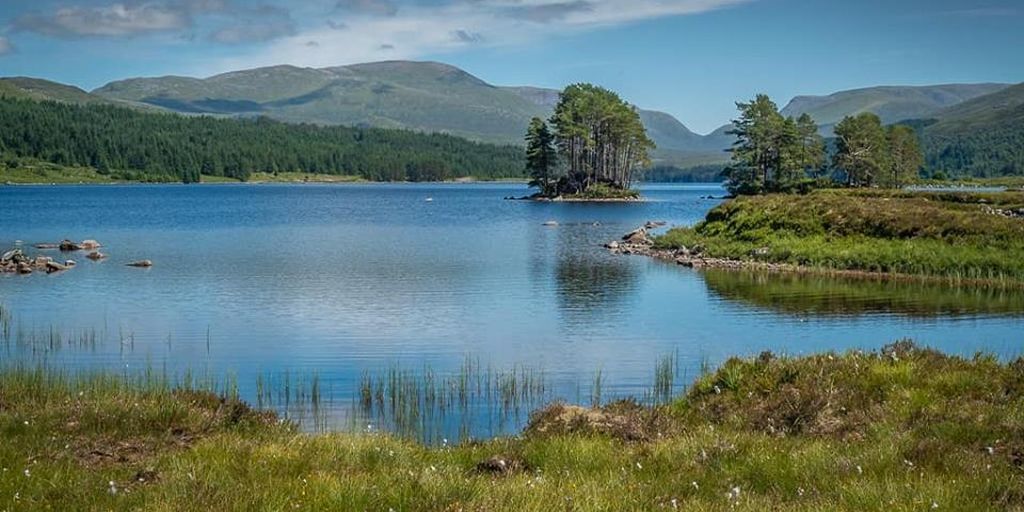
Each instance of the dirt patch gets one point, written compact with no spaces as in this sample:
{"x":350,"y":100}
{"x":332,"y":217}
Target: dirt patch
{"x":625,"y":420}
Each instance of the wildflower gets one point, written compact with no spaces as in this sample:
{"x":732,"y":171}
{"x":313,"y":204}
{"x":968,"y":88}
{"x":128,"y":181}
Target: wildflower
{"x":733,"y":494}
{"x":935,"y":505}
{"x":113,"y":487}
{"x":860,"y":471}
{"x":718,"y":390}
{"x":800,"y":491}
{"x":675,"y":503}
{"x":694,"y":484}
{"x":27,"y":473}
{"x":638,"y":466}
{"x":990,"y":450}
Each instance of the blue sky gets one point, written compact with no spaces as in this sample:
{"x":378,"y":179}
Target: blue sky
{"x":691,"y":58}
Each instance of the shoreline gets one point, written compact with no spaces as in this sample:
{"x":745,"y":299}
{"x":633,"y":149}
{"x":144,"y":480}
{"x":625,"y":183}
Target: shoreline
{"x":701,"y":262}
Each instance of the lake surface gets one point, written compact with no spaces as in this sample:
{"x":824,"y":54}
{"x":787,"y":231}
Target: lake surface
{"x":264,"y":284}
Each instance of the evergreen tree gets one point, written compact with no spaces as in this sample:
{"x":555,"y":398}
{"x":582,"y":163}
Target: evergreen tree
{"x":772,"y":153}
{"x":541,"y":157}
{"x":600,"y":137}
{"x":905,"y":156}
{"x":862,"y":150}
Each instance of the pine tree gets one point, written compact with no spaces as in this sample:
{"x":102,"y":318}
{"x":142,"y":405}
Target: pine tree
{"x":541,"y":157}
{"x":862,"y":150}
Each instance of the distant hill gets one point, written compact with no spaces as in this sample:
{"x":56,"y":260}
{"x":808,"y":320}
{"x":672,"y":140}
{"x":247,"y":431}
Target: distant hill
{"x":891,"y":103}
{"x":422,"y":96}
{"x":38,"y":89}
{"x":982,"y":137}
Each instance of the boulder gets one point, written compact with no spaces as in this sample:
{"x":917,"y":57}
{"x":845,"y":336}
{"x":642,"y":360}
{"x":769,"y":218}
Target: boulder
{"x":651,"y":224}
{"x":612,"y":245}
{"x":70,"y":263}
{"x":9,"y":255}
{"x":141,"y":264}
{"x":24,"y":268}
{"x":69,"y":246}
{"x":637,"y":237}
{"x":89,"y":245}
{"x":96,"y":256}
{"x":53,"y":266}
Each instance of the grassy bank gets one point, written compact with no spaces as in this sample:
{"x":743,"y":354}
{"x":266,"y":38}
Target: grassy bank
{"x":902,"y":429}
{"x":955,"y":236}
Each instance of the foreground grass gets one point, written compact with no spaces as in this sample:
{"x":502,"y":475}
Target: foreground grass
{"x":903,"y":429}
{"x":950,"y":235}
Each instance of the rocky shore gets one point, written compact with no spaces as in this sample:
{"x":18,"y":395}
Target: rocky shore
{"x":16,"y":261}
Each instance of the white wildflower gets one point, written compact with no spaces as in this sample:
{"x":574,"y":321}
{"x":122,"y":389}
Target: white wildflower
{"x":113,"y":487}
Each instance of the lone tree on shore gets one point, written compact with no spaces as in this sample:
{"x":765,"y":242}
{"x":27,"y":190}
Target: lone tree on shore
{"x":541,"y":157}
{"x":599,"y":137}
{"x":772,"y":153}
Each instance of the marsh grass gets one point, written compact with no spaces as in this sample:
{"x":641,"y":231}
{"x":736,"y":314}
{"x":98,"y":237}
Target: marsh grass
{"x":901,"y":429}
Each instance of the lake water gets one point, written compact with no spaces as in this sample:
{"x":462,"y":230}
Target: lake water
{"x":277,"y":282}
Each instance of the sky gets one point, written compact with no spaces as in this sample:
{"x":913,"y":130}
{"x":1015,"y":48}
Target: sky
{"x":691,"y":58}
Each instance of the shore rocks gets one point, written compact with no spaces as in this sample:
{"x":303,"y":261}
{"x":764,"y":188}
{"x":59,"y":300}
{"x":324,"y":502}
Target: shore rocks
{"x":69,"y":246}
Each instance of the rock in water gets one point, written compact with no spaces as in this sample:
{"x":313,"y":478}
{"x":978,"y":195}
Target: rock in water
{"x":141,"y":264}
{"x":10,"y":255}
{"x":24,"y":268}
{"x":53,"y":266}
{"x":47,"y":246}
{"x":89,"y":245}
{"x":96,"y":256}
{"x":551,"y":223}
{"x":69,"y":246}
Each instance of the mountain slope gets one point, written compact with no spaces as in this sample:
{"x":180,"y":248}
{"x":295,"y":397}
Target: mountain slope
{"x":423,"y":96}
{"x":891,"y":103}
{"x":981,"y":137}
{"x":38,"y":89}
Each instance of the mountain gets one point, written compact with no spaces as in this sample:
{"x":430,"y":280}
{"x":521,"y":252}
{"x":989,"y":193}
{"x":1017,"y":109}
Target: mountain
{"x":37,"y":89}
{"x":422,"y":96}
{"x":891,"y":103}
{"x":980,"y":137}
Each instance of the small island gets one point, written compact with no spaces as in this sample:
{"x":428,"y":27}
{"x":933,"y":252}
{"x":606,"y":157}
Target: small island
{"x":589,"y":150}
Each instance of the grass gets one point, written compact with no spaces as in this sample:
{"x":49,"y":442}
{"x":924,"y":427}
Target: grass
{"x":899,"y":429}
{"x":41,"y":172}
{"x":955,"y":236}
{"x":302,"y":177}
{"x":601,"y":191}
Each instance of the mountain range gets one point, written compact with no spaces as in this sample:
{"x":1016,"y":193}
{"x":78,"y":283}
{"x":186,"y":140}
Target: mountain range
{"x":436,"y":97}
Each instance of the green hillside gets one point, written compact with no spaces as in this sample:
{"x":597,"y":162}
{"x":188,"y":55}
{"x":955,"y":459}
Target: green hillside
{"x":983,"y":137}
{"x":127,"y":144}
{"x":422,"y":96}
{"x":891,"y":103}
{"x":37,"y":89}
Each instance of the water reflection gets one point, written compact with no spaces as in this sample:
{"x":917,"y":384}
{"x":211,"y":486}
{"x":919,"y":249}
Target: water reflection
{"x":591,"y":285}
{"x":850,"y":297}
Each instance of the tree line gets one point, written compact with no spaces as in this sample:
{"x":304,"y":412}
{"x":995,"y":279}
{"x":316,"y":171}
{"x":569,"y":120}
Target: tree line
{"x":593,"y":138}
{"x":122,"y":142}
{"x":773,"y":153}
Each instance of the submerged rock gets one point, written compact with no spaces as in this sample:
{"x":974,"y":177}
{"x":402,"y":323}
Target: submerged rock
{"x":89,"y":244}
{"x":551,"y":223}
{"x":96,"y":256}
{"x":141,"y":264}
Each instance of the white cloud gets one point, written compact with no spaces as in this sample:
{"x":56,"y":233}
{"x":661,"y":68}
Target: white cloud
{"x":413,"y":31}
{"x":113,"y":20}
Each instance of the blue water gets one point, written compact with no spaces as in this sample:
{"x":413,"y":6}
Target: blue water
{"x":337,"y":280}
